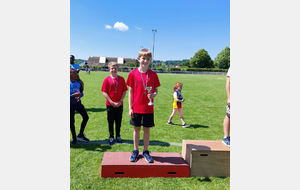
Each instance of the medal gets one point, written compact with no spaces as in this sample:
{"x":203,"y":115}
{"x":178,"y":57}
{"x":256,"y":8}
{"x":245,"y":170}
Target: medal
{"x":116,"y":85}
{"x":145,"y":85}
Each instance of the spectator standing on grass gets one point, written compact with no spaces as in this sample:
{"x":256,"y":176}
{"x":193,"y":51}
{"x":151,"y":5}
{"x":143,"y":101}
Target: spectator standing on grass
{"x":76,"y":67}
{"x":114,"y":90}
{"x":139,"y":110}
{"x":226,"y":123}
{"x":177,"y":104}
{"x":75,"y":104}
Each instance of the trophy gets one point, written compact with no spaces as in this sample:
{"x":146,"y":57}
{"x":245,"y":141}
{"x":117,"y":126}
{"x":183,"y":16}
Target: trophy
{"x":149,"y":91}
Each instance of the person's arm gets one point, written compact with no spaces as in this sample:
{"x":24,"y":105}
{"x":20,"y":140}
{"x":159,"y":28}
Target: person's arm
{"x":228,"y":90}
{"x":114,"y":104}
{"x":176,"y":99}
{"x":130,"y":102}
{"x":154,"y":94}
{"x":122,"y":97}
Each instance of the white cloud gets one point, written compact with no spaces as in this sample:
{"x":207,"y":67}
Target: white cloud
{"x":121,"y":26}
{"x":138,"y":28}
{"x":108,"y":27}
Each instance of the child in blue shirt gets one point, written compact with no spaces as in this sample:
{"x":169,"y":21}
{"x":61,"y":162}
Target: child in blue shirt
{"x":75,"y":104}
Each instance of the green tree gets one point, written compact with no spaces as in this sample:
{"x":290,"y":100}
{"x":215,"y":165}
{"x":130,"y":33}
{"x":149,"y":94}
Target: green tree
{"x":201,"y":59}
{"x":185,"y":64}
{"x":222,"y":61}
{"x":137,"y":63}
{"x":129,"y":64}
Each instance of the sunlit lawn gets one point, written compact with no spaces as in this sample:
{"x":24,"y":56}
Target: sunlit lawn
{"x":204,"y":109}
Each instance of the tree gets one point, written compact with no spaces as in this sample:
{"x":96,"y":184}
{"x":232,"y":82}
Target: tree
{"x":137,"y":63}
{"x":201,"y":59}
{"x":129,"y":64}
{"x":222,"y":61}
{"x":185,"y":64}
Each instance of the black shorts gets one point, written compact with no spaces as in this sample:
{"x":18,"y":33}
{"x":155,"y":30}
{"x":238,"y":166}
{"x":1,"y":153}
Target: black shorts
{"x":228,"y":111}
{"x":148,"y":120}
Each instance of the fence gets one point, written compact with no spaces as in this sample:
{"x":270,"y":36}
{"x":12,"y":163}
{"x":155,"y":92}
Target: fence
{"x":172,"y":72}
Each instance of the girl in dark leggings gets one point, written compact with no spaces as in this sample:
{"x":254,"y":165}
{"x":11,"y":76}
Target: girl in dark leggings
{"x":75,"y":104}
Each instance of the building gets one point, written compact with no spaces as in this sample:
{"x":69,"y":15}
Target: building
{"x":104,"y":61}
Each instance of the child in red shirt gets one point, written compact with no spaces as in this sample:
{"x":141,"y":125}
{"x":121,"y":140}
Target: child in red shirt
{"x":139,"y":98}
{"x":114,"y":90}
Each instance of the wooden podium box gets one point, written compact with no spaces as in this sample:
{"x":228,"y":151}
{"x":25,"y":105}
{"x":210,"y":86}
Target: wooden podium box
{"x":117,"y":164}
{"x":206,"y":158}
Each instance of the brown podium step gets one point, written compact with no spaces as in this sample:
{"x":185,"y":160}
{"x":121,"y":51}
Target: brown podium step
{"x":117,"y":164}
{"x":206,"y":158}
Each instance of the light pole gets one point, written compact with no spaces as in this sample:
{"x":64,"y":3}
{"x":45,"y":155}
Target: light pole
{"x":154,"y":31}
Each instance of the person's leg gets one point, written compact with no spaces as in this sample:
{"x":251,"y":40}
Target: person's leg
{"x":118,"y":119}
{"x":148,"y":122}
{"x":184,"y":125}
{"x":136,"y":137}
{"x":110,"y":120}
{"x":146,"y":137}
{"x":171,"y":116}
{"x":85,"y":119}
{"x":72,"y":124}
{"x":136,"y":122}
{"x":226,"y":126}
{"x":181,"y":115}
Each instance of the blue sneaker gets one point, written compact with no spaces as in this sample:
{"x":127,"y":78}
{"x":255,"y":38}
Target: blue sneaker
{"x":111,"y":141}
{"x":134,"y":156}
{"x":119,"y":140}
{"x":147,"y":156}
{"x":226,"y":141}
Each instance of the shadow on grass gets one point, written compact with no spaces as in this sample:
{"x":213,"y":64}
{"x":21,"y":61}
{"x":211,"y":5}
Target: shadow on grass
{"x":91,"y":146}
{"x":105,"y":142}
{"x":194,"y":126}
{"x":206,"y":179}
{"x":95,"y":109}
{"x":198,"y":126}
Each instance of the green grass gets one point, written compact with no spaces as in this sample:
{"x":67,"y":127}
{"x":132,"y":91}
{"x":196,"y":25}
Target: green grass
{"x":204,"y":109}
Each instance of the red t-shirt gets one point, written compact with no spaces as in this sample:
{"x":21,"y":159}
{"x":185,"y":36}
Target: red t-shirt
{"x":141,"y":100}
{"x":110,"y":87}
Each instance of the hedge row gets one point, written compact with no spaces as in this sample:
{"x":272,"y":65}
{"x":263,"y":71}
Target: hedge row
{"x":207,"y":69}
{"x":173,"y":69}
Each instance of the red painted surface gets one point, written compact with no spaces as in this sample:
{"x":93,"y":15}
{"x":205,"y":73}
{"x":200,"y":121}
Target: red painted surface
{"x":117,"y":164}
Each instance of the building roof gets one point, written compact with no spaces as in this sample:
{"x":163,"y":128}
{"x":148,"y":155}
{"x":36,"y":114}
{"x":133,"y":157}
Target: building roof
{"x":95,"y":61}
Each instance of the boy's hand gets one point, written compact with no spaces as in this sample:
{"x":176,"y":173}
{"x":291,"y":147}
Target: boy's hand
{"x":151,"y":96}
{"x":131,"y":113}
{"x":228,"y":101}
{"x":115,"y":104}
{"x":183,"y":99}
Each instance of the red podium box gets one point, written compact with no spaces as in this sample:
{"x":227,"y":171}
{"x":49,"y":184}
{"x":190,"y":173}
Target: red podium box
{"x":117,"y":164}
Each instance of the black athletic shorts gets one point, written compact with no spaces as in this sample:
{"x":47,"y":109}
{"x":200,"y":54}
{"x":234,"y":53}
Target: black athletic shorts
{"x":228,"y":111}
{"x":148,"y":120}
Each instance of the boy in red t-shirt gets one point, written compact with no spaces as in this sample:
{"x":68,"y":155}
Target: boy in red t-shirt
{"x":114,"y":90}
{"x":139,"y":98}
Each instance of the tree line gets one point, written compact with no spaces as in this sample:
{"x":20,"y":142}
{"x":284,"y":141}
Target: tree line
{"x":201,"y":59}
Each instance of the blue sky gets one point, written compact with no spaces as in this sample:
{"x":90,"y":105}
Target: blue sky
{"x":117,"y":28}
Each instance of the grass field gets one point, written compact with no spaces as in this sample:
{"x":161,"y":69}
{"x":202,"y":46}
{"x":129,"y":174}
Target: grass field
{"x":204,"y":109}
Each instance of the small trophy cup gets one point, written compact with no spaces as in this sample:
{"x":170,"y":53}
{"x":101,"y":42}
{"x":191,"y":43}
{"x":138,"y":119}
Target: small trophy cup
{"x":149,"y":91}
